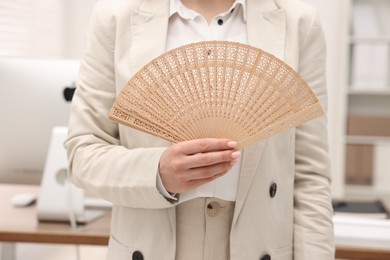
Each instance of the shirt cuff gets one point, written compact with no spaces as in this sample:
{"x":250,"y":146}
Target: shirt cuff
{"x":163,"y":191}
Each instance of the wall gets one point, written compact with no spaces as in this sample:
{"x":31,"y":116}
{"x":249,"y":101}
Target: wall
{"x":76,"y":20}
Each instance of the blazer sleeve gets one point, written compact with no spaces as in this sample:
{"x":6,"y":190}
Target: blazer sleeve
{"x":313,"y":226}
{"x":98,"y":162}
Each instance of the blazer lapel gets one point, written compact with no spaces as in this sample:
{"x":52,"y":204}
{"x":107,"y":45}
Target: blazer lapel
{"x":266,"y":27}
{"x":149,"y":25}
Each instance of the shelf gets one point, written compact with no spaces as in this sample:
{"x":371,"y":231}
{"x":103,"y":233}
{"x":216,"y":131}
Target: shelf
{"x":385,"y":92}
{"x":369,"y":39}
{"x":365,"y":139}
{"x":365,"y":192}
{"x":367,"y":60}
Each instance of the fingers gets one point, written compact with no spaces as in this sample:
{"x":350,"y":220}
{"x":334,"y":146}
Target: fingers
{"x":207,"y":145}
{"x":208,"y":172}
{"x":187,"y":165}
{"x":211,"y":158}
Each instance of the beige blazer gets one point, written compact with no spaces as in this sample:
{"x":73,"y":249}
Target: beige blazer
{"x":283,"y":204}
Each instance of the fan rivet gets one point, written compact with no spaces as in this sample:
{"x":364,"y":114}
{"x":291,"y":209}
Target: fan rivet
{"x":208,"y":52}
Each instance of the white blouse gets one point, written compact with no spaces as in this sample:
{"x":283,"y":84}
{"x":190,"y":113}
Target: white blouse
{"x":187,"y":26}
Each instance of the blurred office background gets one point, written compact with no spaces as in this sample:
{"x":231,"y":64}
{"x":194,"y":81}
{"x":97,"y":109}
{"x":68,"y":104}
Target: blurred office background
{"x":45,"y":36}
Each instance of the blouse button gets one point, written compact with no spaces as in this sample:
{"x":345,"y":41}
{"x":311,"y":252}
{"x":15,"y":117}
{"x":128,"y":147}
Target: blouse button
{"x":220,"y":21}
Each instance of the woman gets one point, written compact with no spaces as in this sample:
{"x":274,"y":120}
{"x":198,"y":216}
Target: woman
{"x":202,"y":199}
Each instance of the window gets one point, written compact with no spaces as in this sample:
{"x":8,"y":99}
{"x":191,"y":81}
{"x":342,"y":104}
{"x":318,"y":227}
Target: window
{"x":31,"y":29}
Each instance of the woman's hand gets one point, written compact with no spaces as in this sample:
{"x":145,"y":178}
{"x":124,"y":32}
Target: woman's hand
{"x":187,"y":165}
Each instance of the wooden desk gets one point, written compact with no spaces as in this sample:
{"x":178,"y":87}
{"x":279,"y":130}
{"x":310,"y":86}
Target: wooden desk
{"x":21,"y":225}
{"x":363,"y":239}
{"x":362,"y":253}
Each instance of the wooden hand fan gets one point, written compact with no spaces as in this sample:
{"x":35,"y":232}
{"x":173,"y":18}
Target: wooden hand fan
{"x":215,"y":89}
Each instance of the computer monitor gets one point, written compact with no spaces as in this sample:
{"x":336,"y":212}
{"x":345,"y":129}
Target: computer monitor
{"x":35,"y":103}
{"x":32,"y":102}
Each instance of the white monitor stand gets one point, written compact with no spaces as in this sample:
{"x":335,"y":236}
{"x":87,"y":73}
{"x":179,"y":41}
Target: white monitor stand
{"x":60,"y":200}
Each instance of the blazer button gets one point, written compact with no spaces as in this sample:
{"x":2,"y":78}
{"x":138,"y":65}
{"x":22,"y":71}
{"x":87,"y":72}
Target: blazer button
{"x":272,"y":189}
{"x":137,"y":255}
{"x":266,"y":257}
{"x":213,"y":209}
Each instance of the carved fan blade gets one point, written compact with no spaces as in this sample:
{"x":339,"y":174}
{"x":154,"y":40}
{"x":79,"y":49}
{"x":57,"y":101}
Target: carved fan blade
{"x":215,"y":89}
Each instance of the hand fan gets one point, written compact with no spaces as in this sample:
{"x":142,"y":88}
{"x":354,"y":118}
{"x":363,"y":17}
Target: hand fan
{"x":215,"y":89}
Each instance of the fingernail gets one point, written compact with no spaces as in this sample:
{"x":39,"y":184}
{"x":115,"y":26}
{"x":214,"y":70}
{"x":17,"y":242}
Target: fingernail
{"x":232,"y":144}
{"x":235,"y":155}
